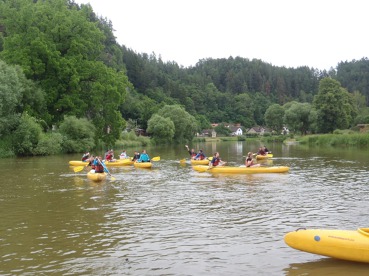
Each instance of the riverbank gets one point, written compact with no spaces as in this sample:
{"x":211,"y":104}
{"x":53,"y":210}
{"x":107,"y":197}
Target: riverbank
{"x":336,"y":140}
{"x":352,"y":139}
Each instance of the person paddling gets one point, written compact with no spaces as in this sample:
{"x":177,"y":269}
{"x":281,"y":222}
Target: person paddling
{"x":216,"y":161}
{"x":144,"y":157}
{"x":250,"y":162}
{"x":191,"y":152}
{"x":200,"y":155}
{"x":85,"y":157}
{"x":99,"y":165}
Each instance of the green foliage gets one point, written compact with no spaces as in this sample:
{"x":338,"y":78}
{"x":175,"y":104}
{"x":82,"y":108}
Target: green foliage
{"x":49,"y":143}
{"x":274,"y":117}
{"x":78,"y":134}
{"x":251,"y":135}
{"x":62,"y":48}
{"x":241,"y":138}
{"x":336,"y":140}
{"x":6,"y":147}
{"x":354,"y":76}
{"x":130,"y":139}
{"x":161,"y":128}
{"x":222,"y":130}
{"x":27,"y":136}
{"x":299,"y":116}
{"x":184,"y":123}
{"x":334,"y":106}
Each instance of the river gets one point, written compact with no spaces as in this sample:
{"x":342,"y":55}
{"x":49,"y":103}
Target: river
{"x":171,"y":220}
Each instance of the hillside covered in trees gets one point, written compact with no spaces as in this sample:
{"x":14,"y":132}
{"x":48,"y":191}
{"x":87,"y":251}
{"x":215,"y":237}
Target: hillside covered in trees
{"x":61,"y":67}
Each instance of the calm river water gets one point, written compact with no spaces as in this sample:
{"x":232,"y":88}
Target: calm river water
{"x":171,"y":220}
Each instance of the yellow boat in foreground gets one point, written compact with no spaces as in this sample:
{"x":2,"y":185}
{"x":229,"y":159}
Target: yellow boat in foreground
{"x":347,"y":245}
{"x":97,"y":177}
{"x":241,"y":170}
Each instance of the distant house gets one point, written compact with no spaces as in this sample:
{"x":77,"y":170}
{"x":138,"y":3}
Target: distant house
{"x":255,"y":130}
{"x":258,"y":130}
{"x":208,"y":133}
{"x":236,"y":131}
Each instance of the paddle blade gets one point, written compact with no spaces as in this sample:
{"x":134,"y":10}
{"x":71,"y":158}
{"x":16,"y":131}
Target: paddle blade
{"x":210,"y":158}
{"x":112,"y":178}
{"x":182,"y":161}
{"x":157,"y":158}
{"x":78,"y":169}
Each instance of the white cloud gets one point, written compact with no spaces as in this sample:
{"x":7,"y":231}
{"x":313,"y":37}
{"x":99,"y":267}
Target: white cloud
{"x":287,"y":33}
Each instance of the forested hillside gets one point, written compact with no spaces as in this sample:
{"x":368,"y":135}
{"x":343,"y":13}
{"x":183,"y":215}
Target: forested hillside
{"x":65,"y":61}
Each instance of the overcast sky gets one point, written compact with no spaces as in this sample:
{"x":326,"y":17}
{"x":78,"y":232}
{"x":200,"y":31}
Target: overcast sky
{"x":291,"y":33}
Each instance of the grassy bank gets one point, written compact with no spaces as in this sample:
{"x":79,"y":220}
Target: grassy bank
{"x":336,"y":140}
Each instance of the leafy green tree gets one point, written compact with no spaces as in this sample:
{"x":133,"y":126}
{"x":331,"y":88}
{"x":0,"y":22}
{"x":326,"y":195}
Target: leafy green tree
{"x":78,"y":134}
{"x":49,"y":143}
{"x":221,"y":129}
{"x":334,"y":106}
{"x":11,"y":91}
{"x":161,"y":128}
{"x":244,"y":108}
{"x":60,"y":46}
{"x":298,"y":117}
{"x":185,"y":124}
{"x":261,"y":104}
{"x":26,"y":136}
{"x":202,"y":122}
{"x":274,"y":117}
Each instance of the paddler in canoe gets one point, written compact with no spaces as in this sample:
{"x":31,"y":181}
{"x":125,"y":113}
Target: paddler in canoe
{"x":191,"y":152}
{"x":85,"y":157}
{"x":144,"y":157}
{"x":216,"y":161}
{"x":110,"y":156}
{"x":99,"y":165}
{"x":136,"y":156}
{"x":250,"y":161}
{"x":200,"y":155}
{"x":261,"y":152}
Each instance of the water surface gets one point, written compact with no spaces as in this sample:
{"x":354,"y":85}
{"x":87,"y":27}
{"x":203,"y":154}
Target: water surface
{"x":171,"y":220}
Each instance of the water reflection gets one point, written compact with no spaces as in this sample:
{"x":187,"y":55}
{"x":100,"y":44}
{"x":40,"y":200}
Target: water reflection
{"x":327,"y":266}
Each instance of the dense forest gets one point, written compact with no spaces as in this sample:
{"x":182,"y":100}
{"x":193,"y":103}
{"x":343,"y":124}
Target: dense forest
{"x":66,"y":85}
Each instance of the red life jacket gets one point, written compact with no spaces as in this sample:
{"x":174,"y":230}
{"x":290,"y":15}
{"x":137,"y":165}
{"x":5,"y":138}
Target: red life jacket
{"x":99,"y":168}
{"x":215,"y":161}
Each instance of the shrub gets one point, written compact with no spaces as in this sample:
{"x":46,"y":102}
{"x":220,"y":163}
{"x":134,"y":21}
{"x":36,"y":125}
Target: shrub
{"x":50,"y":143}
{"x":26,"y":136}
{"x":241,"y":138}
{"x":78,"y":134}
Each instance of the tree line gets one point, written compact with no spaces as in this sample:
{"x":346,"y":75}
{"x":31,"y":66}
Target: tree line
{"x":61,"y":68}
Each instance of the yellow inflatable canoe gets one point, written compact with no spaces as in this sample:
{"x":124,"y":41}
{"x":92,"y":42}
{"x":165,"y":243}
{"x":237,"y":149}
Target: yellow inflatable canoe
{"x":78,"y":163}
{"x":146,"y":165}
{"x":119,"y":162}
{"x":347,"y":245}
{"x":200,"y":162}
{"x":261,"y":157}
{"x":96,"y":176}
{"x":241,"y":170}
